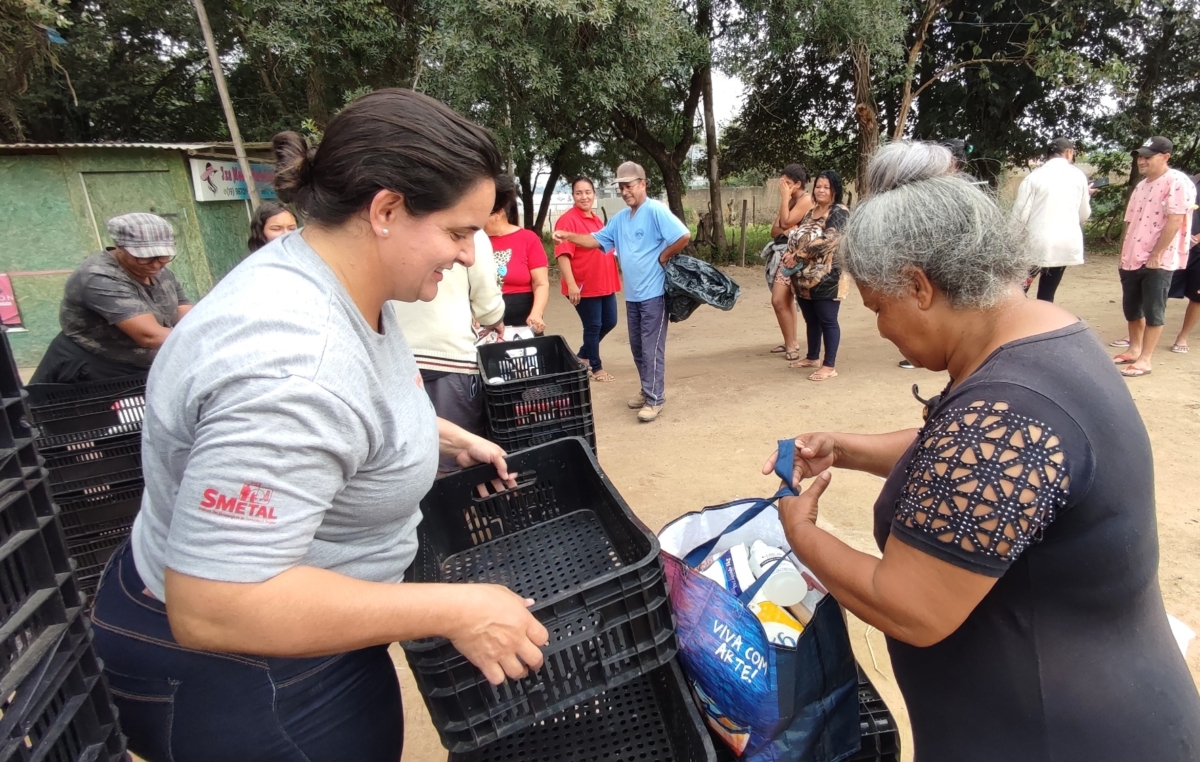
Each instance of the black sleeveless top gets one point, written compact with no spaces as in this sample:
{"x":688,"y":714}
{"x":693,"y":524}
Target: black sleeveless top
{"x":1037,"y":470}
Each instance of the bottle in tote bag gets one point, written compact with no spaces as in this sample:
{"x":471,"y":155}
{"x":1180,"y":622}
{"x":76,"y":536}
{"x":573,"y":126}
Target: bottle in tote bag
{"x":796,"y":591}
{"x":768,"y":702}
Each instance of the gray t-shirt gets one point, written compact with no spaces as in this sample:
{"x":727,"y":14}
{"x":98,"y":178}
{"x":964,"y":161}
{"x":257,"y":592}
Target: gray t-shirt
{"x":100,"y":294}
{"x":281,"y":431}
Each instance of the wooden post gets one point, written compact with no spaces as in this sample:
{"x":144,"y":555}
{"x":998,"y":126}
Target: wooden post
{"x":743,"y":232}
{"x":230,"y":118}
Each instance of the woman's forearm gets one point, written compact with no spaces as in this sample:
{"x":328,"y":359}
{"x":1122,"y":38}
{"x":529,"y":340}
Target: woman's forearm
{"x":541,"y":297}
{"x":873,"y":453}
{"x":568,"y":275}
{"x":306,"y":611}
{"x":452,"y":438}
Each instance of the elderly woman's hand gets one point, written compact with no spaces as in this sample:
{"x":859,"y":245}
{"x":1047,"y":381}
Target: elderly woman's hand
{"x":815,"y":454}
{"x":796,"y":512}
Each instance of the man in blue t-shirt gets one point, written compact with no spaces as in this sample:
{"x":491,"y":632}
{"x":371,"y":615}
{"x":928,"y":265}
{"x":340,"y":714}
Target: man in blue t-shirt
{"x":644,"y":236}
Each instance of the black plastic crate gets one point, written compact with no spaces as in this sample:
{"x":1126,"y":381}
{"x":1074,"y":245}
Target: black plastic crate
{"x":15,"y":423}
{"x":880,"y":736}
{"x":650,"y":718}
{"x":33,"y":630}
{"x":102,"y":459}
{"x":71,"y":413}
{"x":96,"y":485}
{"x":880,"y":740}
{"x":535,"y":391}
{"x":542,"y":433}
{"x":90,"y":555}
{"x":12,"y":476}
{"x":10,"y":378}
{"x":90,"y":516}
{"x":61,"y":711}
{"x":564,"y":537}
{"x":28,"y":457}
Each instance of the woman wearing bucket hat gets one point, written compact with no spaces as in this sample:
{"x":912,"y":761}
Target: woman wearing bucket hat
{"x":118,"y":306}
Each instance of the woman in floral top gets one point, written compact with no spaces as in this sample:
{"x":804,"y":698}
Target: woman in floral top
{"x":816,"y":276}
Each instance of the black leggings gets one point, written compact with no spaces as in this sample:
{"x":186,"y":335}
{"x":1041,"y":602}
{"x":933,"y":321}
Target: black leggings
{"x":821,"y":321}
{"x":1048,"y":281}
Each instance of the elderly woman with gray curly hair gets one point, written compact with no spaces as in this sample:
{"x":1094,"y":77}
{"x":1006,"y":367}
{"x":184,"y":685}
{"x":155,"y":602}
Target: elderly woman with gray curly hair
{"x":1018,"y":584}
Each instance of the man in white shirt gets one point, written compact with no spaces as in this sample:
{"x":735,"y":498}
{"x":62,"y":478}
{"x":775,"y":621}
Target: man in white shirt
{"x":1053,"y":202}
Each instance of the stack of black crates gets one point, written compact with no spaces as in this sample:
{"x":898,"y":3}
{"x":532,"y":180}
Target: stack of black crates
{"x":535,"y":391}
{"x":564,"y":537}
{"x":54,"y":704}
{"x":91,"y":438}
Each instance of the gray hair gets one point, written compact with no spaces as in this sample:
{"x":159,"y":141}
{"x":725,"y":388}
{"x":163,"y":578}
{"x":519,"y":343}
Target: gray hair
{"x":918,"y":213}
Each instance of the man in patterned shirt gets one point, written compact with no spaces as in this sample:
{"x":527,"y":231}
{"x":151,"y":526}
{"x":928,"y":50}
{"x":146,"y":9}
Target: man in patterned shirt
{"x":118,"y":306}
{"x":1155,"y":246}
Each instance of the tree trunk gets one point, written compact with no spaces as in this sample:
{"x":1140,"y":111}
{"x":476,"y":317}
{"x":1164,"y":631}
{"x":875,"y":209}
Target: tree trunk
{"x":524,"y":176}
{"x":548,"y":191}
{"x":864,"y":111}
{"x":714,"y":167}
{"x":673,"y":184}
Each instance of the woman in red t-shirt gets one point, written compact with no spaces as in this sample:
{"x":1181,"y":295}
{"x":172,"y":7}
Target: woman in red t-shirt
{"x":521,"y":265}
{"x":589,"y":276}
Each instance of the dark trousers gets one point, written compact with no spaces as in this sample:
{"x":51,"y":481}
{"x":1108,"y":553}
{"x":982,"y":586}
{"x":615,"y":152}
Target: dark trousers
{"x":180,"y":705}
{"x":65,"y":362}
{"x":457,"y":397}
{"x":1048,"y":280}
{"x":821,"y":322}
{"x":599,"y":316}
{"x":648,"y":342}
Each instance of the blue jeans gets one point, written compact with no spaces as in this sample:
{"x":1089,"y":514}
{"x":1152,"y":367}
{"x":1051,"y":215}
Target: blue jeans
{"x":599,"y":316}
{"x":648,"y":341}
{"x":821,"y":321}
{"x":181,"y":705}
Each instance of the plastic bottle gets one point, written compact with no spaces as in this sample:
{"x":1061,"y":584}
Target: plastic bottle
{"x":785,"y":587}
{"x":731,"y":569}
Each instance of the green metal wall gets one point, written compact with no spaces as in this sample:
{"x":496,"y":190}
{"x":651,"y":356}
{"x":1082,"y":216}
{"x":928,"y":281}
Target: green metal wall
{"x":224,"y":228}
{"x":53,"y":210}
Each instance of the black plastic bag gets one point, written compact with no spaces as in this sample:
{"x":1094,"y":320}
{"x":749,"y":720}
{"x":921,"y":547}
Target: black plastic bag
{"x":692,"y":282}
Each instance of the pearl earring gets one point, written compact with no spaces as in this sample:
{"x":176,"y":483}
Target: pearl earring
{"x":385,"y":231}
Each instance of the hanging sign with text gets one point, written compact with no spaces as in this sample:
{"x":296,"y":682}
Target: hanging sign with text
{"x":224,"y":181}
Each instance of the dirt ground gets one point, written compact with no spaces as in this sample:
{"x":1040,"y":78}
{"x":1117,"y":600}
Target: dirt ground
{"x":729,"y":400}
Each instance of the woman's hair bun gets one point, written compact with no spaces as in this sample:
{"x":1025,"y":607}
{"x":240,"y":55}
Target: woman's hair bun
{"x":293,"y":166}
{"x":903,"y":162}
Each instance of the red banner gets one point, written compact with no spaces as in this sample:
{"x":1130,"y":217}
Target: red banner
{"x":10,"y":314}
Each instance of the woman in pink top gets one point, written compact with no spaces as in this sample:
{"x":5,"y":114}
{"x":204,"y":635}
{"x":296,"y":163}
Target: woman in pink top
{"x":521,"y":265}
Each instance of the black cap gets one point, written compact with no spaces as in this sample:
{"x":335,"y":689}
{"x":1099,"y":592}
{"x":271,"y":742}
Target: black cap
{"x":1155,"y":145}
{"x":1059,"y":146}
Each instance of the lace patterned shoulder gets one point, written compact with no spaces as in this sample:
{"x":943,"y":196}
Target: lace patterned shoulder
{"x":983,"y":483}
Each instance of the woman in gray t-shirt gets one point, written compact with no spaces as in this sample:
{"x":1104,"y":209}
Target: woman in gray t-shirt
{"x":287,"y":445}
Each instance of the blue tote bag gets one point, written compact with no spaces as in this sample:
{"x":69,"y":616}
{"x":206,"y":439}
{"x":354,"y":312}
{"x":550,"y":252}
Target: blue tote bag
{"x":768,"y":702}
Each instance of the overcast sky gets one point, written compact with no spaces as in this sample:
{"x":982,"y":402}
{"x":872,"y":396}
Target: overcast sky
{"x":727,"y":98}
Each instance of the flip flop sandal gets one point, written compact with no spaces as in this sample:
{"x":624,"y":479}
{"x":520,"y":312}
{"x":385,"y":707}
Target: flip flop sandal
{"x":816,"y":377}
{"x":1123,"y":360}
{"x":1179,"y":349}
{"x":1132,"y":372}
{"x":806,"y":363}
{"x":602,"y":377}
{"x":792,"y":355}
{"x":779,"y":350}
{"x":1119,"y":343}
